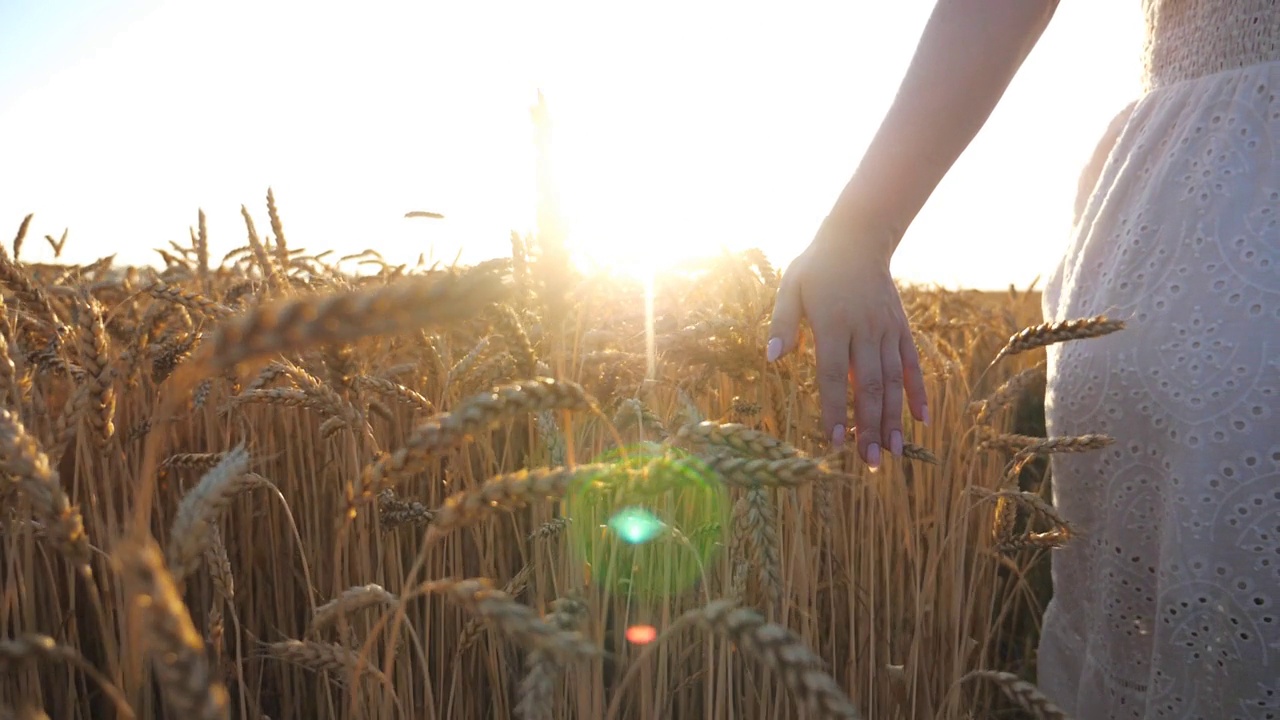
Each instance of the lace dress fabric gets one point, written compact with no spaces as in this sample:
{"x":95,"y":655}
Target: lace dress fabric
{"x":1167,"y":604}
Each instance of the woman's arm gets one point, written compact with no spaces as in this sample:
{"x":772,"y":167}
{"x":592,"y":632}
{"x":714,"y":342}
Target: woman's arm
{"x":969,"y":52}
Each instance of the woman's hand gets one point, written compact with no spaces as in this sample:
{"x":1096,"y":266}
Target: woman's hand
{"x":969,"y":52}
{"x":860,"y":331}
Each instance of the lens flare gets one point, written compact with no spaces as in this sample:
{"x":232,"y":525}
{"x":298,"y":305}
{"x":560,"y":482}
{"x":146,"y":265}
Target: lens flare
{"x":635,"y":525}
{"x":643,"y":525}
{"x":641,"y":634}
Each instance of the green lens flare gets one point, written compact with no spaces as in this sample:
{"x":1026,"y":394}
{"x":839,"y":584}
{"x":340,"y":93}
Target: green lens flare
{"x":649,"y":526}
{"x":635,"y":525}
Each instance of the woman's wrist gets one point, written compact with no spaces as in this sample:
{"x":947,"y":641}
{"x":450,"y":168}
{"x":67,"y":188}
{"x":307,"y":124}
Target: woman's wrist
{"x":860,"y":231}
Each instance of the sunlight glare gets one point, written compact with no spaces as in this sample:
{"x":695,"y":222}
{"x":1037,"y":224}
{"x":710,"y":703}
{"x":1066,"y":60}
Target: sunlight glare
{"x":642,"y":634}
{"x":635,"y":525}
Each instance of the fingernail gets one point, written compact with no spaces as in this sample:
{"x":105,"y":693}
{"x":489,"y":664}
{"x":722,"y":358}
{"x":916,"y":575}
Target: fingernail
{"x":924,"y":416}
{"x":895,"y":443}
{"x":837,"y":436}
{"x":774,"y":349}
{"x":873,"y":456}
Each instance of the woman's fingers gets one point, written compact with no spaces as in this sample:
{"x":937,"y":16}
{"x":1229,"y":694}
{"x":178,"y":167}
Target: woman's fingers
{"x":784,"y":327}
{"x":831,"y":345}
{"x":868,"y":395}
{"x":854,"y":337}
{"x":891,"y":372}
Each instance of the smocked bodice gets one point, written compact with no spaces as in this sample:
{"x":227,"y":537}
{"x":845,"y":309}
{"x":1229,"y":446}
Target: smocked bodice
{"x":1187,"y":39}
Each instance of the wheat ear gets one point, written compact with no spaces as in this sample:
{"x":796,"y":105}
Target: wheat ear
{"x":351,"y":600}
{"x":176,"y":649}
{"x":504,"y":493}
{"x":202,"y":506}
{"x":537,"y":688}
{"x":1025,"y":381}
{"x":1050,"y":333}
{"x":394,"y":512}
{"x":519,"y":622}
{"x":1022,"y":693}
{"x":21,"y":458}
{"x":202,"y":462}
{"x":395,"y":391}
{"x":752,"y":472}
{"x":477,"y":414}
{"x":35,"y":647}
{"x":224,"y":587}
{"x":762,"y":544}
{"x":737,"y":437}
{"x":1054,"y":445}
{"x":192,"y":301}
{"x":325,"y":657}
{"x":471,"y":631}
{"x":508,"y":325}
{"x":98,"y":401}
{"x":783,"y":652}
{"x":344,"y":317}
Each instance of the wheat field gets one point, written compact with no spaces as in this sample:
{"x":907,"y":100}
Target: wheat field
{"x":264,"y":487}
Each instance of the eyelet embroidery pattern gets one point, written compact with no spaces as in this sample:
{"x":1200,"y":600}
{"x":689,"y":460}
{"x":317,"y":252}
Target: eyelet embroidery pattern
{"x":1168,"y":604}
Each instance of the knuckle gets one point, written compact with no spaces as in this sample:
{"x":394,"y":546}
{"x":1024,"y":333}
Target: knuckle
{"x":831,"y":375}
{"x":871,"y":388}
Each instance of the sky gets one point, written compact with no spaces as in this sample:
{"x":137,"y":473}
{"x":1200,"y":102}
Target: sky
{"x":680,"y":127}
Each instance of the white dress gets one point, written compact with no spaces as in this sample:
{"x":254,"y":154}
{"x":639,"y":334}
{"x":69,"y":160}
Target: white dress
{"x":1168,"y":604}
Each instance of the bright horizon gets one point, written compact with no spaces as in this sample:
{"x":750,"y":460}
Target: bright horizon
{"x":678,"y":129}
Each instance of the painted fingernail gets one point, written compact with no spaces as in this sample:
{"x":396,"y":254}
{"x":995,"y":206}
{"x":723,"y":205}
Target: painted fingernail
{"x":837,"y":436}
{"x":895,"y":443}
{"x":873,"y":456}
{"x":773,"y":349}
{"x":924,"y":416}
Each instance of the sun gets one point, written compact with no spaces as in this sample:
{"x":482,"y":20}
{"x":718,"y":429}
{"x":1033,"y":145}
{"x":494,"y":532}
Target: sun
{"x":612,"y":203}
